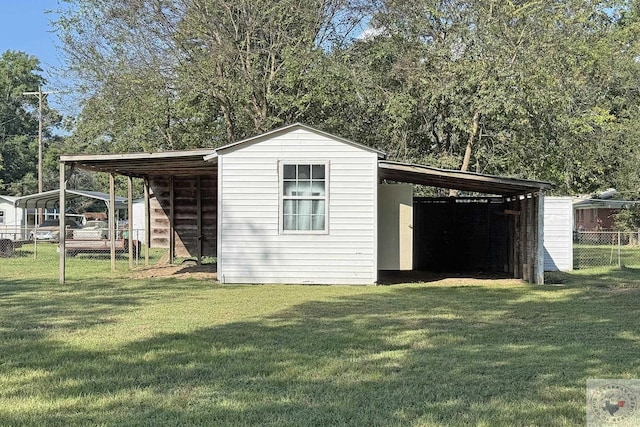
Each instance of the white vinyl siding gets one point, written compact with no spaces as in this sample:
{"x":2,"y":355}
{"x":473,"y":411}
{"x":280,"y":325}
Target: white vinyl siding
{"x":558,"y":234}
{"x":253,"y":247}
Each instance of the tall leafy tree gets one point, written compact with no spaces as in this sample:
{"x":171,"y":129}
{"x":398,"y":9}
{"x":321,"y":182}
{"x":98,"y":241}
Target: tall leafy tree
{"x":507,"y":87}
{"x":172,"y":74}
{"x":19,"y":73}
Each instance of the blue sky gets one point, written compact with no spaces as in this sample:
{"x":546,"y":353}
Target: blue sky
{"x":25,"y":26}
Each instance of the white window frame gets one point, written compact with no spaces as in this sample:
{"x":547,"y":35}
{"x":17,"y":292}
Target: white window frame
{"x":282,"y":197}
{"x":2,"y":216}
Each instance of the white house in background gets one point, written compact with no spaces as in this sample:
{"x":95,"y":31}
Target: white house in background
{"x":10,"y":216}
{"x":11,"y":219}
{"x":300,"y":206}
{"x":7,"y":211}
{"x":558,"y":234}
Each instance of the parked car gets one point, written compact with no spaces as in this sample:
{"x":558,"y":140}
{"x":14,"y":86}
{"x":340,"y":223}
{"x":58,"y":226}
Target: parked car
{"x":92,"y":230}
{"x":50,"y":230}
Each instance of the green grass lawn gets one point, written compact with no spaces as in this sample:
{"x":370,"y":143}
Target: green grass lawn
{"x":107,"y":350}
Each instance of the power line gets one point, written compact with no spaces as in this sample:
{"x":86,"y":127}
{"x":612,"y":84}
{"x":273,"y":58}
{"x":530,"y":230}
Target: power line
{"x":39,"y":93}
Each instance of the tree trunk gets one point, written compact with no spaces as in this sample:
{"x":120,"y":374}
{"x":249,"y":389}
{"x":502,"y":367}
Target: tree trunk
{"x":475,"y":127}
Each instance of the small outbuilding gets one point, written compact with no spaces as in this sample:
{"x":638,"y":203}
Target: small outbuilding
{"x":298,"y":205}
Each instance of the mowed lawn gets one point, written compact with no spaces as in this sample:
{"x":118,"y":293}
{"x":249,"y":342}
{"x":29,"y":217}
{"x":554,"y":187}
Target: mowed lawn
{"x":112,"y":351}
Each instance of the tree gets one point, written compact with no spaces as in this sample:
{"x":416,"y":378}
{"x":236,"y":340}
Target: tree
{"x":517,"y":88}
{"x":181,"y":73}
{"x":529,"y":88}
{"x":20,"y":72}
{"x":628,"y":219}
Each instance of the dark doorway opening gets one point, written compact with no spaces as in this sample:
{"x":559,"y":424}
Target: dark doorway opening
{"x":461,"y":235}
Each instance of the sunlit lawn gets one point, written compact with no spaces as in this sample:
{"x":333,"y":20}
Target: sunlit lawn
{"x":107,"y":350}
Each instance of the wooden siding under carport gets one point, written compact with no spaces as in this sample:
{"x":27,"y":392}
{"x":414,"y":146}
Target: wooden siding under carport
{"x":190,"y":203}
{"x":524,"y":203}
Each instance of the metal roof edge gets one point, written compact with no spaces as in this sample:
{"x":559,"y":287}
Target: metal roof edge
{"x":544,"y":185}
{"x":141,"y":156}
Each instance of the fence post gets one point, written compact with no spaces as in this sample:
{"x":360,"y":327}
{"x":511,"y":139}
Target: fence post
{"x":619,"y":260}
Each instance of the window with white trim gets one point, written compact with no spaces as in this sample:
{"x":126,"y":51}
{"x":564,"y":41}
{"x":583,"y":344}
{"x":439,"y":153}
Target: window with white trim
{"x":304,"y":197}
{"x":1,"y":217}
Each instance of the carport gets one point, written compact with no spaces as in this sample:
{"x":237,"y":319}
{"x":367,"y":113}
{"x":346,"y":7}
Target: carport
{"x":507,"y":228}
{"x":51,"y":199}
{"x":180,"y":198}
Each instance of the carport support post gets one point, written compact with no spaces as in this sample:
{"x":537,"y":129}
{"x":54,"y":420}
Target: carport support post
{"x":147,"y":222}
{"x":540,"y":240}
{"x":172,"y":237}
{"x":112,"y":219}
{"x":63,"y":190}
{"x":130,"y":220}
{"x":199,"y":220}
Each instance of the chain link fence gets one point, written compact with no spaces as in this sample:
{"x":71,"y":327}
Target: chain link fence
{"x":92,"y":245}
{"x":606,"y":248}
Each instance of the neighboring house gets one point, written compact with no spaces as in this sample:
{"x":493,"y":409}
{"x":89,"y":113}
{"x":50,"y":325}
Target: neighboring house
{"x":598,"y":213}
{"x":11,"y":219}
{"x":8,"y":212}
{"x":298,"y":205}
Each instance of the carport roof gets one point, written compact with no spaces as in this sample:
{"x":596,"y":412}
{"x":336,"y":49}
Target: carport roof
{"x":141,"y":165}
{"x":50,"y":199}
{"x":458,"y":180}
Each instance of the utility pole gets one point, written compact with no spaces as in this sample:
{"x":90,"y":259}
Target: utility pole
{"x":39,"y":93}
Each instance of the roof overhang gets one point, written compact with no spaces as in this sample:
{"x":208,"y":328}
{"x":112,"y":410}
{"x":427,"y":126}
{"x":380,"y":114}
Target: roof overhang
{"x":458,"y":180}
{"x":142,"y":165}
{"x":51,"y":199}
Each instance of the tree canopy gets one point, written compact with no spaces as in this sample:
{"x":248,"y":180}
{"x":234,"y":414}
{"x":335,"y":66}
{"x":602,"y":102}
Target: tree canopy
{"x":21,"y":73}
{"x":530,"y":88}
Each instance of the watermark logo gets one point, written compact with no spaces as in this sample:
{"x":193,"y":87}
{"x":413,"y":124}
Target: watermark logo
{"x":612,"y":402}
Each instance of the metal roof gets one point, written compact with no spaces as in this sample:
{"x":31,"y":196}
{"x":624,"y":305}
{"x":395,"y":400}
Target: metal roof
{"x":141,"y":165}
{"x":458,"y":180}
{"x":604,"y":203}
{"x":51,"y":199}
{"x":204,"y":161}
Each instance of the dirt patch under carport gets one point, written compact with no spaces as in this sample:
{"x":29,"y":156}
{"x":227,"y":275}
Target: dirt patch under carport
{"x":190,"y":270}
{"x":186,"y":270}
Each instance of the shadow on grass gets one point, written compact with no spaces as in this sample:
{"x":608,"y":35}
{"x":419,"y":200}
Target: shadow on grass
{"x":405,"y":355}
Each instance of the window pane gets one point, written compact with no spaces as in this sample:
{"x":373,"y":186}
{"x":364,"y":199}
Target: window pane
{"x":304,"y":222}
{"x":288,"y":207}
{"x":318,"y":207}
{"x":318,"y":172}
{"x":289,"y":171}
{"x":304,"y":172}
{"x":304,"y":188}
{"x":289,"y":222}
{"x":317,"y":188}
{"x":318,"y":222}
{"x":289,"y":188}
{"x":304,"y":207}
